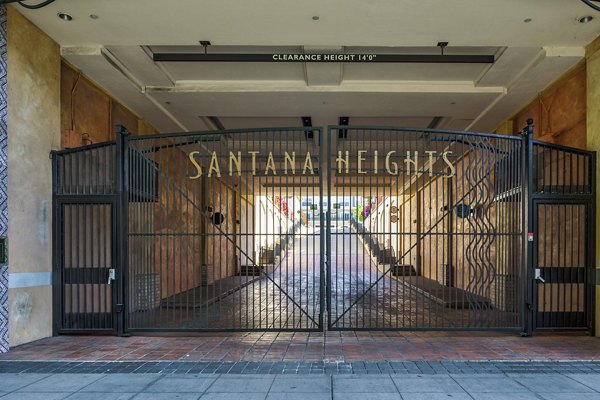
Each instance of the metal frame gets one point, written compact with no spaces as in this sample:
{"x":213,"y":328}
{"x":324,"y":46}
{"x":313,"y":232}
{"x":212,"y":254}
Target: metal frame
{"x":375,"y":308}
{"x":571,"y":194}
{"x":121,"y":188}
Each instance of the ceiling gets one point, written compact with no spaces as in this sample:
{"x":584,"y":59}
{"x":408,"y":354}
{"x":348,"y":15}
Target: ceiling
{"x":115,"y":50}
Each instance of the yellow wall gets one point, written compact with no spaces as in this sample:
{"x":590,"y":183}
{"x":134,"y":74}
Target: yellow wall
{"x":593,"y":136}
{"x":33,"y":131}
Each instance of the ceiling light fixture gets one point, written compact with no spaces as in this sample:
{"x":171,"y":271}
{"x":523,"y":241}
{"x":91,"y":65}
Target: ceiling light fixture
{"x":595,"y":4}
{"x":585,"y":19}
{"x":64,"y":16}
{"x":315,"y":18}
{"x":93,"y":16}
{"x":527,"y":20}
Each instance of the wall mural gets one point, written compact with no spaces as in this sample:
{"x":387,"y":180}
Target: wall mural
{"x":3,"y":182}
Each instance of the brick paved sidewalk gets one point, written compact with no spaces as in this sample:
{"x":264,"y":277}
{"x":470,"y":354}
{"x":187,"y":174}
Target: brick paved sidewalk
{"x":313,"y":347}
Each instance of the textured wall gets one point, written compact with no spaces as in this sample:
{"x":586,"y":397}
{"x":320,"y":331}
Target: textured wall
{"x":87,"y":109}
{"x":34,"y":115}
{"x":593,"y":137}
{"x":559,"y":111}
{"x":3,"y":182}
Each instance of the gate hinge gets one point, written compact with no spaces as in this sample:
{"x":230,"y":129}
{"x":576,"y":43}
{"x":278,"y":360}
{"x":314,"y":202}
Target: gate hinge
{"x":119,"y":308}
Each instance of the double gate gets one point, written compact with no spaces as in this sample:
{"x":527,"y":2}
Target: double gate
{"x":304,"y":229}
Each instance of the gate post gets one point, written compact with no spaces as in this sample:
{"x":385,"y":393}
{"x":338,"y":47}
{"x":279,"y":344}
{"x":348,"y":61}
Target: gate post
{"x":527,"y":181}
{"x":121,"y":229}
{"x":591,"y":246}
{"x":325,"y":234}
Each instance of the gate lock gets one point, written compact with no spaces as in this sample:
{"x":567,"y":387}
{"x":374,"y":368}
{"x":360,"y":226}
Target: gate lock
{"x":112,"y":275}
{"x":538,"y":275}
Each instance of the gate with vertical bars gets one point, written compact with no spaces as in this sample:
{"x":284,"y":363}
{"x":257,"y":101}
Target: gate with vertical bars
{"x":342,"y":228}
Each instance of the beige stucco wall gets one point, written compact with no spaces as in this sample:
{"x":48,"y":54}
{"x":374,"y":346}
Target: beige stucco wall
{"x":593,"y":137}
{"x":33,"y":131}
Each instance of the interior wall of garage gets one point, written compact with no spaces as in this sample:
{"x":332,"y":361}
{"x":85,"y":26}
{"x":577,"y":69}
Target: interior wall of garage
{"x":88,"y":114}
{"x":558,"y":112}
{"x":33,"y":131}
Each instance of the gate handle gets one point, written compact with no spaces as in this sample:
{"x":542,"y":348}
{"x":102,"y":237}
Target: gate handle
{"x":538,"y":275}
{"x":112,"y":275}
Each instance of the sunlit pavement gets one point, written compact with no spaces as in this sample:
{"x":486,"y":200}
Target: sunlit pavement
{"x":306,"y":386}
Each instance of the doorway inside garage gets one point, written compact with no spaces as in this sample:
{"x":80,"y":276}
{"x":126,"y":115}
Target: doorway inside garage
{"x":340,"y":228}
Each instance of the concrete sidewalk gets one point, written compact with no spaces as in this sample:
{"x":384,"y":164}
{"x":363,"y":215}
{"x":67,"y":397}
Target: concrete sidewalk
{"x":259,"y":387}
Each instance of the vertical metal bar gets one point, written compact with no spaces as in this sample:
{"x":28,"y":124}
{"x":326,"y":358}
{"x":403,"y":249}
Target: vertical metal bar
{"x":325,"y":150}
{"x":590,"y":245}
{"x":57,"y":254}
{"x":528,"y":215}
{"x":122,"y":228}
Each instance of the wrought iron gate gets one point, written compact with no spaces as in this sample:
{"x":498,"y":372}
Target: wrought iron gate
{"x":305,"y":229}
{"x":85,"y":239}
{"x":563,"y":224}
{"x":436,"y":239}
{"x":215,"y":231}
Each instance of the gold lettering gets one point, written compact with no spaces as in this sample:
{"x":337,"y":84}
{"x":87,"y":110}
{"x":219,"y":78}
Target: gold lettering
{"x":449,"y":164}
{"x":430,"y":166}
{"x":270,"y":164}
{"x":254,"y":153}
{"x":308,"y":165}
{"x":345,"y":161}
{"x":195,"y":164}
{"x":375,"y":166}
{"x":387,"y":164}
{"x":414,"y":162}
{"x":292,"y":162}
{"x":214,"y":165}
{"x":360,"y":160}
{"x":237,"y":161}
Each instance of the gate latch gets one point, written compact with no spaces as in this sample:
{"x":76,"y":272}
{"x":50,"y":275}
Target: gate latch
{"x":112,"y":275}
{"x":538,"y":275}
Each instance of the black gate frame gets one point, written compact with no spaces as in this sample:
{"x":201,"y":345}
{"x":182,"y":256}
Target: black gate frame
{"x":119,"y":200}
{"x":538,"y":196}
{"x":60,"y":198}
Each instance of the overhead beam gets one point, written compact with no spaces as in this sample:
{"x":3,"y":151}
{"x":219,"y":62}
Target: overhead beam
{"x":328,"y":58}
{"x":204,"y":86}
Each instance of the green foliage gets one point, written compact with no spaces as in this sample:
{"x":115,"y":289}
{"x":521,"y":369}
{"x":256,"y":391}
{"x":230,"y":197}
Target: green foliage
{"x":357,"y":212}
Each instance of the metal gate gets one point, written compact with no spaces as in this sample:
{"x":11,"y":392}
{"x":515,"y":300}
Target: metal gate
{"x":85,"y":239}
{"x":309,"y":229}
{"x":563,"y":221}
{"x":216,"y":234}
{"x":436,"y":237}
